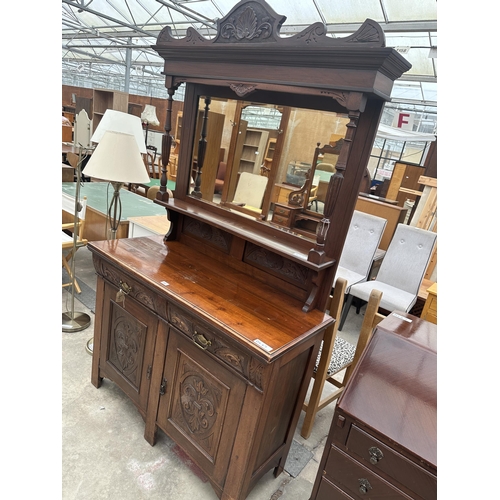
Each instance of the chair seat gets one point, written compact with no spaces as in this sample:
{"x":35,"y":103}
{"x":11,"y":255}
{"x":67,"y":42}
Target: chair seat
{"x":342,"y":354}
{"x":350,"y":276}
{"x":393,"y":299}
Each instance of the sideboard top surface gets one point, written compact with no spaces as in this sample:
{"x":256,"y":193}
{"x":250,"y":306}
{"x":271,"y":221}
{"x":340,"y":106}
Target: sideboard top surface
{"x":242,"y":306}
{"x":394,"y":387}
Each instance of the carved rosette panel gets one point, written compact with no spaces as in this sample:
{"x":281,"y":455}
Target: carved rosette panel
{"x":200,"y":404}
{"x":209,"y":234}
{"x":127,"y":345}
{"x":278,"y":265}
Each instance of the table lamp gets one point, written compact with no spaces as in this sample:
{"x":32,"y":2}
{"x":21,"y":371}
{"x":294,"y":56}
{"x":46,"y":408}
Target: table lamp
{"x":148,"y":116}
{"x":117,"y":121}
{"x":117,"y":159}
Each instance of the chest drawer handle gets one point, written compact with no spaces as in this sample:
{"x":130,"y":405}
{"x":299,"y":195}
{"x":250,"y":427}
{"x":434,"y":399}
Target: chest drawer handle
{"x":364,"y":486}
{"x":375,"y":454}
{"x":201,"y":341}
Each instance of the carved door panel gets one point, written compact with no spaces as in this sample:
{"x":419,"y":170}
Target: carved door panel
{"x":201,"y":406}
{"x":127,"y":345}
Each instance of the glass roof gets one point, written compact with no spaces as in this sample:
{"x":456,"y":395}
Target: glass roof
{"x":106,"y":43}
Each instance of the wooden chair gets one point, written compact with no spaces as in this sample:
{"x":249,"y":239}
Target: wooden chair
{"x":68,"y":205}
{"x":336,"y":354}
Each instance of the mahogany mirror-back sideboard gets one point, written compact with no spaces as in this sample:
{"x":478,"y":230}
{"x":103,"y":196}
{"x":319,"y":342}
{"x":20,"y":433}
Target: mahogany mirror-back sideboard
{"x":213,"y":330}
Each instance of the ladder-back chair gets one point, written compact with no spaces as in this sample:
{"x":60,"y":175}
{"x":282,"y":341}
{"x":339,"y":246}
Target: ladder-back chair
{"x":337,"y":354}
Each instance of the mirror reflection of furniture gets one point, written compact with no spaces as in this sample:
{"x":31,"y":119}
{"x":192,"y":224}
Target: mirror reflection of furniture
{"x":338,"y":355}
{"x":250,"y":192}
{"x":401,"y":272}
{"x":117,"y":159}
{"x":219,"y":180}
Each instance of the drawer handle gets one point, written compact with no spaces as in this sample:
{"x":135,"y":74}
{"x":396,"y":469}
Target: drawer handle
{"x":364,"y":486}
{"x":123,"y":291}
{"x":201,"y":341}
{"x":375,"y":454}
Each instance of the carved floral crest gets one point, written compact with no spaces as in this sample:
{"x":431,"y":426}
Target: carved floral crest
{"x":246,"y":26}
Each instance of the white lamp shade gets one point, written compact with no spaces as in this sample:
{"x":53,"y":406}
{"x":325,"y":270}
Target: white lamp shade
{"x":117,"y":121}
{"x":149,"y":115}
{"x":117,"y":159}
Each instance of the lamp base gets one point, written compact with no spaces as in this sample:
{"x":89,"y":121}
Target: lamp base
{"x":89,"y":346}
{"x":75,"y":322}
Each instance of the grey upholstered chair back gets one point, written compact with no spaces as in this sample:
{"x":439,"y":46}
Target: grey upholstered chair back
{"x":362,"y":241}
{"x":407,"y":258}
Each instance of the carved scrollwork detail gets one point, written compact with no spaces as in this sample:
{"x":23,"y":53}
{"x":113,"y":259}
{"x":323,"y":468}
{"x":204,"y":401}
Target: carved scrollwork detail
{"x":199,"y":404}
{"x":126,"y":347}
{"x":312,"y":33}
{"x":179,"y":320}
{"x":367,"y":33}
{"x":208,"y":233}
{"x":274,"y":262}
{"x":256,"y":370}
{"x":246,"y":27}
{"x":242,"y":89}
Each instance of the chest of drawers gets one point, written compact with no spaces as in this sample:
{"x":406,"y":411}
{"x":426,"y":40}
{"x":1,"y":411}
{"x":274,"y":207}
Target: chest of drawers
{"x":382,"y":441}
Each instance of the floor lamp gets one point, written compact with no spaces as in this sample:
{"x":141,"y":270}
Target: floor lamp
{"x":148,"y":116}
{"x":75,"y":321}
{"x":116,"y":159}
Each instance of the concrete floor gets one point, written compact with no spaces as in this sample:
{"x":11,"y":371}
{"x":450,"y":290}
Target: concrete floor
{"x":104,"y":453}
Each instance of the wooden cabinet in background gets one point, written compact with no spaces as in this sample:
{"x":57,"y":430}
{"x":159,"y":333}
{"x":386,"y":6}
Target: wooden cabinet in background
{"x":252,"y":153}
{"x":107,"y":99}
{"x":383,"y":438}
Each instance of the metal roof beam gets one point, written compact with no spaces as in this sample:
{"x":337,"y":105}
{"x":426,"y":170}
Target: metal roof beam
{"x":104,"y":16}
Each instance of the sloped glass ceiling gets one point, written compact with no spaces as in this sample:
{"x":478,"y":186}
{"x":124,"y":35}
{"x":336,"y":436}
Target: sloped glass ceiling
{"x":106,"y":43}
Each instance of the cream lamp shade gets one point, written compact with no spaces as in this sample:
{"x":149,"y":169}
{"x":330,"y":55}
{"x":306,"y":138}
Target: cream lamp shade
{"x":149,"y":115}
{"x":117,"y":121}
{"x":117,"y":159}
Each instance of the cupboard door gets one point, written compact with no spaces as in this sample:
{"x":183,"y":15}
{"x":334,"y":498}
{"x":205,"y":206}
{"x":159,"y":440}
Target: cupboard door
{"x":127,"y":346}
{"x":201,"y":405}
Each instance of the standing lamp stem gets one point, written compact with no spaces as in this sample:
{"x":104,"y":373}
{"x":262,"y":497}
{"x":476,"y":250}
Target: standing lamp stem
{"x":75,"y":321}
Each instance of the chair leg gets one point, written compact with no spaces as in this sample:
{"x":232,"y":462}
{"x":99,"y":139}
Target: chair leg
{"x":345,"y":311}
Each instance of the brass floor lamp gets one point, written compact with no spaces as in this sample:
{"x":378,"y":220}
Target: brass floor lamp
{"x":75,"y":321}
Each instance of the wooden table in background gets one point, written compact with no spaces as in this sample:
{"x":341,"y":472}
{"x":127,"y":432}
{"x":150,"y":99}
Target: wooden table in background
{"x":99,"y":195}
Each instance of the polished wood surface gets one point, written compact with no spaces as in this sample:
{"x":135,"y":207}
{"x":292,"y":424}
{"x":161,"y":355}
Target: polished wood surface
{"x":383,"y":437}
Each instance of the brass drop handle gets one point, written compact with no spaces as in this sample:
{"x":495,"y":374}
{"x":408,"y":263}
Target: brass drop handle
{"x":124,"y":290}
{"x":201,"y":341}
{"x":375,"y":454}
{"x":364,"y":486}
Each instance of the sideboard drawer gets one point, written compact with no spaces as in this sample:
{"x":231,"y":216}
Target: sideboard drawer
{"x":357,"y":480}
{"x":328,"y":491}
{"x":218,"y":345}
{"x":392,"y":463}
